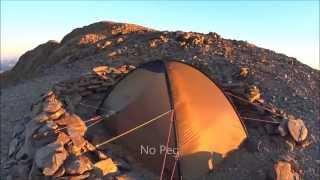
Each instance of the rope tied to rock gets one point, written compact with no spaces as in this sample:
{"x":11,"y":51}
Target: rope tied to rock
{"x":244,"y":100}
{"x":260,"y":120}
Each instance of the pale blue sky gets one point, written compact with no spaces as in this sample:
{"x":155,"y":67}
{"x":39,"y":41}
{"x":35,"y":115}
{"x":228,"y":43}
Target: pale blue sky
{"x":289,"y":27}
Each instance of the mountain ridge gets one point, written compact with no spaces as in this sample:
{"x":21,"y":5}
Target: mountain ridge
{"x":85,"y":38}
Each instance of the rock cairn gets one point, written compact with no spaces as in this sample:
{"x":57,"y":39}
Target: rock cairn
{"x":52,"y":143}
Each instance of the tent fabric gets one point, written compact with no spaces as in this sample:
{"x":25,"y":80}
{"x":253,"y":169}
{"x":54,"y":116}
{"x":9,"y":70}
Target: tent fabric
{"x":205,"y":120}
{"x":205,"y":123}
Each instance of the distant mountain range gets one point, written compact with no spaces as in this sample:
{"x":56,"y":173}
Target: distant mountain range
{"x":7,"y":65}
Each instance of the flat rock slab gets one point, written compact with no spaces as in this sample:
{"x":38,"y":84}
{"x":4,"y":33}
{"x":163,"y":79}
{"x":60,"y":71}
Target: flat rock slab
{"x":106,"y":166}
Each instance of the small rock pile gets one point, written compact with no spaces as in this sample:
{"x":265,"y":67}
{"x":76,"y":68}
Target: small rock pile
{"x":98,"y":81}
{"x":52,"y":141}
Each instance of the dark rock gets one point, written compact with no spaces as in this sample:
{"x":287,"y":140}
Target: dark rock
{"x":47,"y":94}
{"x":78,"y":165}
{"x":75,"y":99}
{"x":21,"y":154}
{"x":50,"y":157}
{"x":31,"y":128}
{"x":122,"y":165}
{"x":48,"y":126}
{"x":60,"y":172}
{"x":77,"y":177}
{"x":35,"y":173}
{"x":251,"y":144}
{"x":8,"y":164}
{"x":85,"y":93}
{"x":283,"y":128}
{"x":21,"y":170}
{"x":270,"y":129}
{"x":92,"y":87}
{"x":102,"y":89}
{"x":18,"y":129}
{"x":13,"y":147}
{"x":36,"y":109}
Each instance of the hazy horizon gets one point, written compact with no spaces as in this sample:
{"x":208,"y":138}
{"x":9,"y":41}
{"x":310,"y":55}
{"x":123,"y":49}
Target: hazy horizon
{"x":287,"y":27}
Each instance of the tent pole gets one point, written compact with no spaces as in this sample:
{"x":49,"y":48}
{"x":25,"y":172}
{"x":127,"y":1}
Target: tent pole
{"x":174,"y":117}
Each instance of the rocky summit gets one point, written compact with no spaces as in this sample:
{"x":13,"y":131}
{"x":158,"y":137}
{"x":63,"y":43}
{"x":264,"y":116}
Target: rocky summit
{"x":49,"y":100}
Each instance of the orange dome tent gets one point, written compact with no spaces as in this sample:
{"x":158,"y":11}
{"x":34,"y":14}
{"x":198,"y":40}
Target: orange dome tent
{"x":194,"y":118}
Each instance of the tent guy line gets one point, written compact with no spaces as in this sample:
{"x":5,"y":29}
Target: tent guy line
{"x":260,"y":120}
{"x":244,"y":100}
{"x":174,"y":166}
{"x":133,"y":129}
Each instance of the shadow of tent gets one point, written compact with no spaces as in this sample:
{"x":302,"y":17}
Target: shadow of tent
{"x":206,"y":162}
{"x":211,"y":161}
{"x":196,"y":164}
{"x":240,"y":164}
